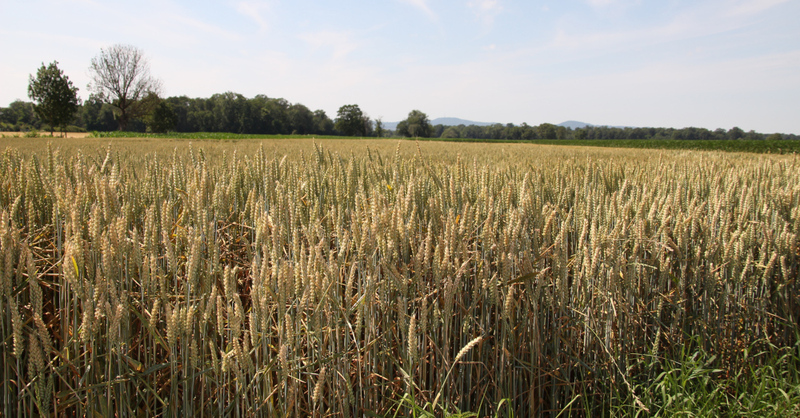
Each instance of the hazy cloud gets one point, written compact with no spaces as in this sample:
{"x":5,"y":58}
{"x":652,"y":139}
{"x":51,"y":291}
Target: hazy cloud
{"x":485,"y":10}
{"x":612,"y":3}
{"x":751,"y":7}
{"x":206,"y":27}
{"x":255,"y":10}
{"x":600,"y":3}
{"x":700,"y":21}
{"x":340,"y":44}
{"x":423,"y":6}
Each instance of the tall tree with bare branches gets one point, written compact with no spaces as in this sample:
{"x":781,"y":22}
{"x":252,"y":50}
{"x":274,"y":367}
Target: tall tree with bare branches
{"x":121,"y":77}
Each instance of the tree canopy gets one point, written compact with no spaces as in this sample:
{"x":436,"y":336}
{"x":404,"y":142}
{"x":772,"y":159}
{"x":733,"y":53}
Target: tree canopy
{"x":162,"y":118}
{"x":416,"y":124}
{"x":56,"y":97}
{"x":351,"y":121}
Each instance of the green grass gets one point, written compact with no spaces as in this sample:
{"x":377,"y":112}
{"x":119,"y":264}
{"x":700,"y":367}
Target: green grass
{"x":695,"y":384}
{"x":752,"y":146}
{"x":692,"y":385}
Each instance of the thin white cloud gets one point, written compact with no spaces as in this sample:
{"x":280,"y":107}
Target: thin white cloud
{"x":605,"y":4}
{"x":177,"y":23}
{"x":247,"y":72}
{"x":423,"y":6}
{"x":752,"y":7}
{"x":689,"y":92}
{"x":255,"y":10}
{"x":601,"y":3}
{"x":78,"y":3}
{"x":205,"y":27}
{"x":751,"y":74}
{"x":339,"y":43}
{"x":485,"y":10}
{"x":702,"y":21}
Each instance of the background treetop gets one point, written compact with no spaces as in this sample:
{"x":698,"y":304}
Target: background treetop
{"x":121,"y":77}
{"x":416,"y":124}
{"x":351,"y":121}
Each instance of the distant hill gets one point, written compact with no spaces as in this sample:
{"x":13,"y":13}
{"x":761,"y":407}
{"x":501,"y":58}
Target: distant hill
{"x":441,"y":121}
{"x":574,"y":124}
{"x":571,"y":124}
{"x":457,"y":121}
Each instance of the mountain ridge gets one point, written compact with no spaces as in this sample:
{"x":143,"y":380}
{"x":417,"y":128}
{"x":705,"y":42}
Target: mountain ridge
{"x":445,"y":121}
{"x":452,"y":121}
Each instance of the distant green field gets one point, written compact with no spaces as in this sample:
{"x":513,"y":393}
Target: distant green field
{"x":762,"y":147}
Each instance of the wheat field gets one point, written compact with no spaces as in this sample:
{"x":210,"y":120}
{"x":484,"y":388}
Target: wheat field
{"x":335,"y":278}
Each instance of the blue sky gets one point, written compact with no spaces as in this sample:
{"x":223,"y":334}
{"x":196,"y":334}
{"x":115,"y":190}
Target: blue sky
{"x":670,"y":63}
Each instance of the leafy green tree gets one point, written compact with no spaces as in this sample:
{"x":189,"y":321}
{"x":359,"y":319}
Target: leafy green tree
{"x":20,"y":114}
{"x":162,"y":119}
{"x":415,"y":125}
{"x":562,"y":132}
{"x":96,"y":115}
{"x":527,"y":131}
{"x":274,"y":113}
{"x":495,"y":131}
{"x":301,"y":119}
{"x":379,"y":128}
{"x":57,"y":98}
{"x":402,"y":128}
{"x":121,"y":77}
{"x":512,"y":132}
{"x":322,"y":123}
{"x":230,"y":112}
{"x":198,"y":116}
{"x":7,"y":116}
{"x":351,"y":121}
{"x":450,"y":132}
{"x":752,"y":135}
{"x":367,"y":123}
{"x":547,"y":131}
{"x":437,"y":130}
{"x":736,"y":133}
{"x":472,"y":131}
{"x":180,"y":107}
{"x":635,"y":133}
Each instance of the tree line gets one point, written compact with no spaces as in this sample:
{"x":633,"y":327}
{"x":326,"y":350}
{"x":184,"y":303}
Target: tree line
{"x":234,"y":113}
{"x":548,"y":131}
{"x":124,"y":96}
{"x":226,"y":112}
